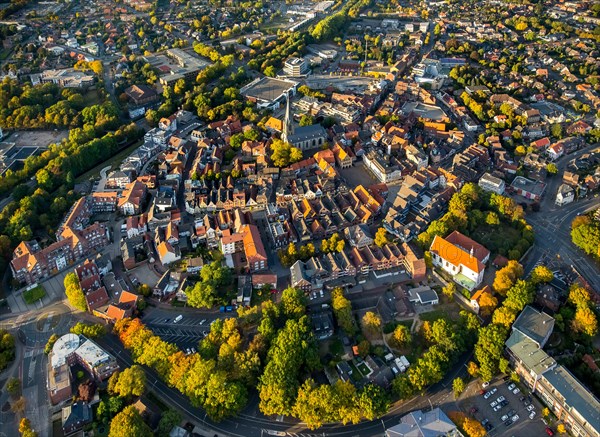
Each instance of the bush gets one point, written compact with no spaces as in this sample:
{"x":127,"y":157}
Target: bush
{"x":33,"y":295}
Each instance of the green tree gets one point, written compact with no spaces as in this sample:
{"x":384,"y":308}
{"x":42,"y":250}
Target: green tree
{"x":74,"y":293}
{"x":449,"y":290}
{"x":401,"y":336}
{"x":13,"y":387}
{"x":507,"y":276}
{"x":306,"y":120}
{"x":89,"y":330}
{"x":342,"y":308}
{"x":551,"y":169}
{"x":371,"y":323}
{"x":458,"y":386}
{"x":201,"y":295}
{"x":541,"y":274}
{"x":131,"y":382}
{"x":556,"y":130}
{"x":373,"y":402}
{"x":129,"y":422}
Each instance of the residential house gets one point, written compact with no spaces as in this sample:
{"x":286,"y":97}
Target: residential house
{"x":565,"y":195}
{"x":76,"y":416}
{"x":132,"y":199}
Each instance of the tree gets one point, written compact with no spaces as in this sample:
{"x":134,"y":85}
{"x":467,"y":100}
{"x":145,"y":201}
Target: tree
{"x":306,"y":120}
{"x":342,"y":308}
{"x":541,"y":274}
{"x":168,"y":420}
{"x":487,"y":303}
{"x":145,"y":290}
{"x":86,"y":390}
{"x":373,"y":401}
{"x":556,"y":130}
{"x":561,"y":429}
{"x":381,"y":237}
{"x":401,"y":336}
{"x":13,"y":387}
{"x":458,"y":385}
{"x":18,"y":406}
{"x":50,"y":344}
{"x":284,"y":154}
{"x":473,"y":369}
{"x":371,"y":323}
{"x":507,"y":276}
{"x":449,"y":290}
{"x":129,"y":422}
{"x":131,"y":382}
{"x":551,"y":169}
{"x":473,"y":428}
{"x":89,"y":330}
{"x":520,"y":150}
{"x":504,"y":316}
{"x":25,"y":428}
{"x":519,"y":295}
{"x":545,"y":412}
{"x":587,"y":237}
{"x":74,"y":293}
{"x":201,"y":295}
{"x":585,"y":321}
{"x":579,"y":296}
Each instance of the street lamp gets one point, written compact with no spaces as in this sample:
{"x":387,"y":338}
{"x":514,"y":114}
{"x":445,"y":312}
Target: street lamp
{"x":384,"y":430}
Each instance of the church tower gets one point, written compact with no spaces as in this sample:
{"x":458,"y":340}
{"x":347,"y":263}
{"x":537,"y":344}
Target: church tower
{"x":288,"y":122}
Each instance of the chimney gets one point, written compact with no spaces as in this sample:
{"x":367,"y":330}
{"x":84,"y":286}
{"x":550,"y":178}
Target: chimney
{"x":471,"y":254}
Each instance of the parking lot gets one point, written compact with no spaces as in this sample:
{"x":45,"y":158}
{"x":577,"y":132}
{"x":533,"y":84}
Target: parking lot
{"x":185,"y":333}
{"x":512,"y":410}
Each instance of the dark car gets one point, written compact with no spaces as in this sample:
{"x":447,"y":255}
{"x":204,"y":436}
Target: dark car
{"x":508,"y":422}
{"x":484,"y":422}
{"x":504,"y":403}
{"x":549,"y":431}
{"x":489,"y":427}
{"x":511,"y":413}
{"x":522,"y":398}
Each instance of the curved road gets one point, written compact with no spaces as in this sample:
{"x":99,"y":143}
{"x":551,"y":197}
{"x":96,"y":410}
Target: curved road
{"x":250,"y":425}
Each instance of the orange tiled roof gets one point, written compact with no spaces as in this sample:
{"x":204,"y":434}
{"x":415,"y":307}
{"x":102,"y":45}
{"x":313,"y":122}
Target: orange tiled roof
{"x":455,"y":254}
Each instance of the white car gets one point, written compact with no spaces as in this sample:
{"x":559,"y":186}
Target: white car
{"x":515,"y":418}
{"x":532,"y":415}
{"x":493,"y":404}
{"x":487,"y":395}
{"x":504,"y":418}
{"x":202,"y":322}
{"x":530,"y":407}
{"x":516,"y":391}
{"x":494,"y":390}
{"x":485,"y":384}
{"x":498,"y":407}
{"x":500,"y":399}
{"x":512,"y":386}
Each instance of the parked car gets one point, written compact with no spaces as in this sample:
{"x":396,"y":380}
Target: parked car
{"x":503,"y":418}
{"x":485,"y":384}
{"x":508,"y":422}
{"x":516,"y":391}
{"x":500,"y":399}
{"x":526,"y":403}
{"x":493,"y":404}
{"x":504,"y":403}
{"x":515,"y":418}
{"x":549,"y":431}
{"x":202,"y":322}
{"x":489,"y":427}
{"x":482,"y":392}
{"x":498,"y":407}
{"x":487,"y":395}
{"x":530,"y":408}
{"x":494,"y":390}
{"x":511,"y":386}
{"x":484,"y":422}
{"x":522,"y":398}
{"x":532,"y":415}
{"x":511,"y":413}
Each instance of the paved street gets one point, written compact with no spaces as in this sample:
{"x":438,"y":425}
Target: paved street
{"x":553,"y":239}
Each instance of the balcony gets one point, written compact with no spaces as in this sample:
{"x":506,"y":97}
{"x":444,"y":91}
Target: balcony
{"x":463,"y":281}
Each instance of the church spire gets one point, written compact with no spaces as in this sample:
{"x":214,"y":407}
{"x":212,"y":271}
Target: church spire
{"x":288,"y":124}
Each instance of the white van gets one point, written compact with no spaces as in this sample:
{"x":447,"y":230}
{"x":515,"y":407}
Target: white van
{"x":178,"y":318}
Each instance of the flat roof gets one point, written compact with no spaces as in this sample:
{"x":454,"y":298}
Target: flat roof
{"x":268,"y":88}
{"x":64,"y":346}
{"x":536,"y":325}
{"x":576,"y":395}
{"x":93,"y":354}
{"x":427,"y":111}
{"x":529,"y":185}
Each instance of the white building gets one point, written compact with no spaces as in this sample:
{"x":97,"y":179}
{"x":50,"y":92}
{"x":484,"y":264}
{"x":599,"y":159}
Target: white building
{"x":565,"y":195}
{"x":381,"y":167}
{"x":461,"y":257}
{"x":295,"y":67}
{"x":492,"y":183}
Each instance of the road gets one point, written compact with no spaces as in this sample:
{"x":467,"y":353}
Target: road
{"x":552,"y":230}
{"x":250,"y":423}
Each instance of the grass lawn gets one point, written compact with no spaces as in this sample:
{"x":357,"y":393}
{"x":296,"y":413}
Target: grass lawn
{"x":356,"y":375}
{"x":114,"y":162}
{"x":34,"y":294}
{"x":362,"y":368}
{"x":91,"y":98}
{"x":450,"y":311}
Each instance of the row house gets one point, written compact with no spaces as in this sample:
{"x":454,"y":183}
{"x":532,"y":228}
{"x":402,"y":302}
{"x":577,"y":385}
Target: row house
{"x":132,"y":198}
{"x":105,"y":201}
